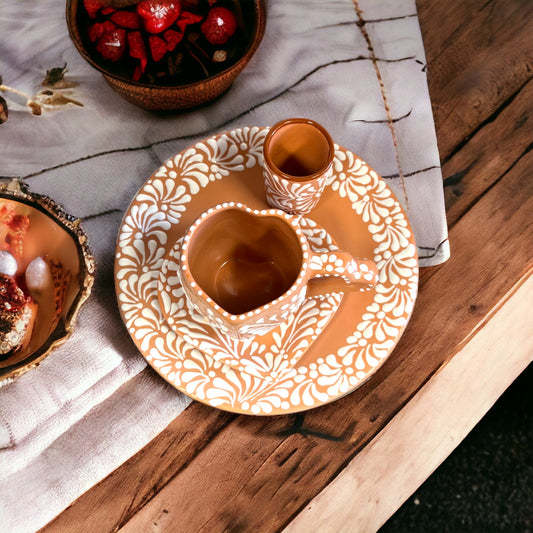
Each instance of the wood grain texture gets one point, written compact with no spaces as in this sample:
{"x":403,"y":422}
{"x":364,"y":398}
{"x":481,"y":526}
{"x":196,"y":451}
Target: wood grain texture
{"x":479,"y":55}
{"x":368,"y":491}
{"x":491,"y":152}
{"x":213,"y":471}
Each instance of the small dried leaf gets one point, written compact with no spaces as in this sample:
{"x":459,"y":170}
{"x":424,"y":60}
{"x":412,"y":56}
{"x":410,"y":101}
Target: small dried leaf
{"x":54,"y":75}
{"x":35,"y":108}
{"x":174,"y":63}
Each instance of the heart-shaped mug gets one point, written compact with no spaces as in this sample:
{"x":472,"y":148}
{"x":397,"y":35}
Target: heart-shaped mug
{"x":246,"y":271}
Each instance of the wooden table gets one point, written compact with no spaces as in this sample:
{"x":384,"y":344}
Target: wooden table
{"x":348,"y":466}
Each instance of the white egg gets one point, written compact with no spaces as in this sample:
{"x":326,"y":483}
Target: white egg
{"x":38,"y":275}
{"x":8,"y":264}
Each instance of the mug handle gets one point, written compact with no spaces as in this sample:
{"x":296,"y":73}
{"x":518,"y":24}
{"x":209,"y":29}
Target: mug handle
{"x":338,"y":270}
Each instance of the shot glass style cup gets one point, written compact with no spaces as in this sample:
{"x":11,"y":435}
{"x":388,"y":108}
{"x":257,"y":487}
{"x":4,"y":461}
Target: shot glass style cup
{"x":246,"y":271}
{"x":298,"y":159}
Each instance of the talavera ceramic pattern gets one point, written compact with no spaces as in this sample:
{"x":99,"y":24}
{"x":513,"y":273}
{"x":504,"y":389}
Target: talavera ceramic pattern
{"x":291,"y":196}
{"x":252,"y":266}
{"x":311,"y":149}
{"x":287,"y":369}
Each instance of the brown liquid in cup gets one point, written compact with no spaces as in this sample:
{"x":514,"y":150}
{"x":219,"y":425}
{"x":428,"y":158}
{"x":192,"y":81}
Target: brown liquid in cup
{"x":243,"y":262}
{"x":238,"y":291}
{"x":299,"y":150}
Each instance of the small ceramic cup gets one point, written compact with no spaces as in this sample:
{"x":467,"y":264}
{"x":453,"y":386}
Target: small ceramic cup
{"x":298,"y":159}
{"x":246,"y":271}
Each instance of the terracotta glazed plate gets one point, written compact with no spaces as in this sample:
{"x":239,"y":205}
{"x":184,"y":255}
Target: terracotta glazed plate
{"x":336,"y":341}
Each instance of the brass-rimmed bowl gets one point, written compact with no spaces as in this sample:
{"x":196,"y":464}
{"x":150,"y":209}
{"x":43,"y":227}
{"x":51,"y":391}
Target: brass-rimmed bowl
{"x":58,"y":237}
{"x":176,"y":97}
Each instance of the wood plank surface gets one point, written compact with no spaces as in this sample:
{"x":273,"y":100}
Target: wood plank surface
{"x":483,"y":161}
{"x":479,"y":55}
{"x":457,"y":396}
{"x":214,"y":471}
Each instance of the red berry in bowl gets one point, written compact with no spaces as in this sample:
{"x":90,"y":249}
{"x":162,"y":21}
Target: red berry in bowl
{"x":219,"y":25}
{"x":112,"y":44}
{"x":158,"y":15}
{"x":99,"y":28}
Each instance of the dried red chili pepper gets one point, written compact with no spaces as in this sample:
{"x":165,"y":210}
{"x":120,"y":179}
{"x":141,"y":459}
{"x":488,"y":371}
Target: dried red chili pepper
{"x":186,"y":19}
{"x":92,"y":7}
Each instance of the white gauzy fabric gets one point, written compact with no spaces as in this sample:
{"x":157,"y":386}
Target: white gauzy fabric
{"x":93,"y":402}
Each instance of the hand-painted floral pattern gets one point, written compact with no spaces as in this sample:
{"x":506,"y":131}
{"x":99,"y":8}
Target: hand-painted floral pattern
{"x":292,"y":196}
{"x":285,"y":373}
{"x":266,"y":355}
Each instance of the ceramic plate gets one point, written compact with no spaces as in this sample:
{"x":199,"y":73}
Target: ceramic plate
{"x":339,"y":337}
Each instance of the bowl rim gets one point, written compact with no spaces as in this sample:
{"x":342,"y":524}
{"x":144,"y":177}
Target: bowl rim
{"x":257,"y":33}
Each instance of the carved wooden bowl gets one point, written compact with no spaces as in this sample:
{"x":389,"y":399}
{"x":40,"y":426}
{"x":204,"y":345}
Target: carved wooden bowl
{"x":157,"y":97}
{"x":54,"y":239}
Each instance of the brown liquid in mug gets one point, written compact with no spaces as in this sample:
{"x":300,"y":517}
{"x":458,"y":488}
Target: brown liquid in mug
{"x":299,"y":150}
{"x":243,"y":284}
